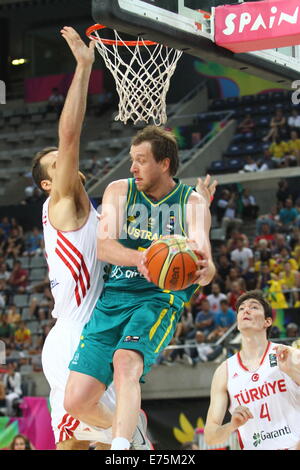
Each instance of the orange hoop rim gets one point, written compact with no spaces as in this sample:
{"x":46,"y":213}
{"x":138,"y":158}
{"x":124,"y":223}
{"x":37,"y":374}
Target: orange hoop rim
{"x":113,"y":42}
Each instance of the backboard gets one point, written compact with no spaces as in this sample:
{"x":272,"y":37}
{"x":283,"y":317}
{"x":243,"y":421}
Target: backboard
{"x":188,"y":25}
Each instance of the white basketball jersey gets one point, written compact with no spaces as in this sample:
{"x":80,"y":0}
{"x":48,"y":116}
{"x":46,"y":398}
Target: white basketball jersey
{"x":272,"y":397}
{"x":75,"y":274}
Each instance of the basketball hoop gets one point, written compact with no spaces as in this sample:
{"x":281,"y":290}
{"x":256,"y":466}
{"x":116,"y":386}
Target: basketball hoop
{"x":142,"y":79}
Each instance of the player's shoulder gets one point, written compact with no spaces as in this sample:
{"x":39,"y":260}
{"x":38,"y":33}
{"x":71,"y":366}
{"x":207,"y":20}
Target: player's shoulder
{"x":220,"y":374}
{"x":118,"y":186}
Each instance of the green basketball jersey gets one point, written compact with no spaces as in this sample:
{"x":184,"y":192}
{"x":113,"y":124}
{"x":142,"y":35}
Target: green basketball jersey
{"x":145,"y":221}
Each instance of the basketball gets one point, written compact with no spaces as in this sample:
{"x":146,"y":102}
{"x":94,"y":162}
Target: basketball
{"x":171,"y":263}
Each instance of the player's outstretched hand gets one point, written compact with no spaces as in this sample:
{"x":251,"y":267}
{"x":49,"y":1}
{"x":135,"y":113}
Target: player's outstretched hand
{"x":240,"y":416}
{"x":206,"y":188}
{"x":85,"y":55}
{"x":288,"y":358}
{"x":206,"y":270}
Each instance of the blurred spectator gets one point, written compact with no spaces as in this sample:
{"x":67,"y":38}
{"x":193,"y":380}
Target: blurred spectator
{"x":246,"y":125}
{"x":215,"y":297}
{"x":204,"y":321}
{"x":21,"y":442}
{"x":266,"y":163}
{"x":294,"y":145}
{"x":56,"y":101}
{"x":263,"y":253}
{"x":4,"y":273}
{"x":22,"y":337}
{"x":227,"y":211}
{"x":271,"y":219}
{"x":5,"y":225}
{"x":223,"y":269}
{"x":292,"y":330}
{"x":265,"y":234}
{"x":250,"y":208}
{"x":12,"y":385}
{"x":224,"y":319}
{"x":242,"y":257}
{"x":290,"y":281}
{"x":6,"y":330}
{"x":14,"y":245}
{"x":264,"y":277}
{"x":34,"y":243}
{"x":105,"y":101}
{"x":277,"y":126}
{"x":13,"y":315}
{"x":15,"y":224}
{"x":234,"y":293}
{"x":250,"y":165}
{"x":232,"y":243}
{"x":18,"y":279}
{"x":288,"y":215}
{"x":94,"y":167}
{"x":279,"y":243}
{"x":283,"y":192}
{"x":294,"y":120}
{"x":3,"y":293}
{"x":33,"y":196}
{"x":233,"y":276}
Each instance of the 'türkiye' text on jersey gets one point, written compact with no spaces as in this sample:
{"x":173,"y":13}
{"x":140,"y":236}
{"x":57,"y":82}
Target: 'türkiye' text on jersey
{"x":272,"y":397}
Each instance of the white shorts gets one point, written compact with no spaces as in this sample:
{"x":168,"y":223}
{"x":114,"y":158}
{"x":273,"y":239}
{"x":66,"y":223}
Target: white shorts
{"x":59,"y":348}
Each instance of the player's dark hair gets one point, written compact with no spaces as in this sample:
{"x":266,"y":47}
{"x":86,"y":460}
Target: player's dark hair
{"x":38,"y":171}
{"x":163,"y":144}
{"x":257,"y":295}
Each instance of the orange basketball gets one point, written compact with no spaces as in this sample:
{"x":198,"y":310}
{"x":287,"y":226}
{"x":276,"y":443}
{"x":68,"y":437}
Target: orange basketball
{"x":171,"y":263}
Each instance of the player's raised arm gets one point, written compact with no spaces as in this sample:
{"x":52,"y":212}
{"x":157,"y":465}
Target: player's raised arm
{"x":199,"y":222}
{"x":71,"y":119}
{"x":215,"y":432}
{"x":289,"y":361}
{"x":109,"y":249}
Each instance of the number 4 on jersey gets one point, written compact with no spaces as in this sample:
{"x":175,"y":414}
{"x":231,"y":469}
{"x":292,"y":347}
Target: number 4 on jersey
{"x":264,"y":412}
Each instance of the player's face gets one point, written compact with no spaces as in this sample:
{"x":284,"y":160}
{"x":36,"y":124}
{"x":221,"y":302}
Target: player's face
{"x":146,"y":171}
{"x":251,"y":317}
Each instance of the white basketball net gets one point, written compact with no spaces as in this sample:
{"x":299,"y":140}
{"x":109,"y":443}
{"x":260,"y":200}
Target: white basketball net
{"x":142,"y":81}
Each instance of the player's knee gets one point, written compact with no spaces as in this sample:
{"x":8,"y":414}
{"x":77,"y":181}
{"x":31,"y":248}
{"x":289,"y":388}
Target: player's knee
{"x":128,"y":365}
{"x":74,"y":401}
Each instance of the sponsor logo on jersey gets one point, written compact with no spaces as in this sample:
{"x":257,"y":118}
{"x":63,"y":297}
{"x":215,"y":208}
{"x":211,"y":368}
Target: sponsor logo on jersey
{"x":53,"y":283}
{"x":273,"y":360}
{"x":255,"y":377}
{"x":259,"y":437}
{"x":131,"y":339}
{"x":235,"y":375}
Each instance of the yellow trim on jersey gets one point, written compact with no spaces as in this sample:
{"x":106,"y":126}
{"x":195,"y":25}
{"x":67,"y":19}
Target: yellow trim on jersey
{"x":129,"y":191}
{"x":167,"y":332}
{"x":157,"y":323}
{"x":161,"y":316}
{"x":164,"y":199}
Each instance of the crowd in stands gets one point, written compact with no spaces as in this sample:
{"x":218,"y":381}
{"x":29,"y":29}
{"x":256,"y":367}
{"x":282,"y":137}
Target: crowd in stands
{"x":25,"y":308}
{"x":282,"y":141}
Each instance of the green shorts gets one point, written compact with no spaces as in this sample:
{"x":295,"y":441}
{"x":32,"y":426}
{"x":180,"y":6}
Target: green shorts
{"x":121,"y":320}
